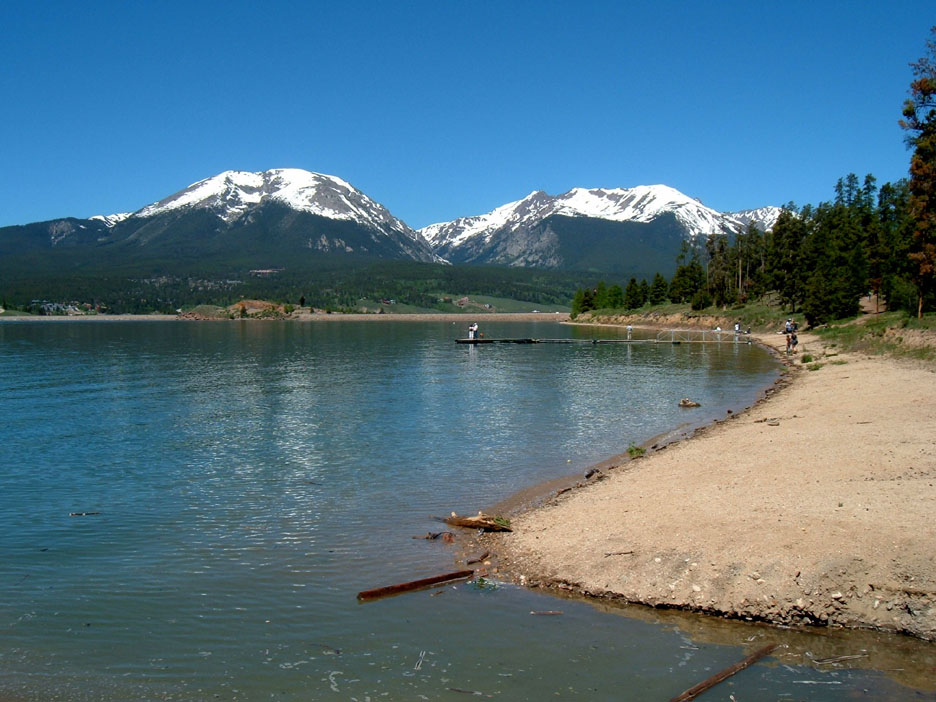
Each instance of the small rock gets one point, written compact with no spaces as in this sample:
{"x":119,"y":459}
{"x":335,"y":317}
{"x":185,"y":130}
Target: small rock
{"x":836,"y":595}
{"x":696,"y":588}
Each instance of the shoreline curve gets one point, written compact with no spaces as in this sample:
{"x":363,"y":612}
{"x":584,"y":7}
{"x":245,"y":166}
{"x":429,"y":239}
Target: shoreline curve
{"x":812,"y":507}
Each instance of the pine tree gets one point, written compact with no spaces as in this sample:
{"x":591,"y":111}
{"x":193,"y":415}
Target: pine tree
{"x":601,"y":296}
{"x":785,"y":255}
{"x":632,"y":295}
{"x":658,"y":290}
{"x":894,"y":241}
{"x":720,"y":269}
{"x":578,"y":303}
{"x":837,"y":266}
{"x":615,"y":297}
{"x":750,"y":259}
{"x":920,"y":120}
{"x":689,"y":277}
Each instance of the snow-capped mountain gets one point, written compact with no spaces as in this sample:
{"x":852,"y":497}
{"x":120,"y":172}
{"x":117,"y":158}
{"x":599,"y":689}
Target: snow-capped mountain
{"x":233,"y":193}
{"x":291,"y":218}
{"x":288,"y":209}
{"x":534,"y":231}
{"x":237,"y":196}
{"x":236,"y":220}
{"x":763,"y":217}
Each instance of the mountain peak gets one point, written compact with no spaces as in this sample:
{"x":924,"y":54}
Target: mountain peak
{"x":643,"y":203}
{"x":232,"y":193}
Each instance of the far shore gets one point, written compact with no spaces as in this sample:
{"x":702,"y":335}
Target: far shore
{"x":466,"y":317}
{"x":815,"y":506}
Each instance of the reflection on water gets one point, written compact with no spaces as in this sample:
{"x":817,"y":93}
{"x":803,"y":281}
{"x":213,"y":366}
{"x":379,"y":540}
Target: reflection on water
{"x":248,"y":479}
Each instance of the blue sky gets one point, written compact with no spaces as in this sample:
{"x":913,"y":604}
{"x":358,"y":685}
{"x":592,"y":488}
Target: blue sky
{"x":441,"y":109}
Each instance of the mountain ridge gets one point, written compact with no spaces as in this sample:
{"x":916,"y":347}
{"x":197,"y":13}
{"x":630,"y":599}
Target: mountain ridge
{"x":506,"y":234}
{"x":290,"y":216}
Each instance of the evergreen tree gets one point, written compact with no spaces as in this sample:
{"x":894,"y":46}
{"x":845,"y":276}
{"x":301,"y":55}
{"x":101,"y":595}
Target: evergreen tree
{"x":615,"y":297}
{"x":689,"y":277}
{"x":751,"y":263}
{"x":920,"y":120}
{"x":644,"y":292}
{"x":588,"y":300}
{"x":601,"y":296}
{"x":658,"y":290}
{"x":720,"y":269}
{"x":837,"y":271}
{"x":578,"y":303}
{"x":785,"y":255}
{"x":894,"y":239}
{"x":632,"y":295}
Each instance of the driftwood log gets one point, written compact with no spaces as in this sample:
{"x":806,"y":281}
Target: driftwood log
{"x":479,"y":521}
{"x":379,"y":592}
{"x":697,"y":690}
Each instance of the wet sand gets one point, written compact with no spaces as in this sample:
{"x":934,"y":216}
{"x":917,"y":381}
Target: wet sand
{"x":815,"y":506}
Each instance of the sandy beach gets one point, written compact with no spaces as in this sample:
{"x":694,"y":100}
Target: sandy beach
{"x":816,"y":506}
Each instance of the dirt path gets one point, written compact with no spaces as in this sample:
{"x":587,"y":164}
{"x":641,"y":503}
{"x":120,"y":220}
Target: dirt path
{"x":818,"y":505}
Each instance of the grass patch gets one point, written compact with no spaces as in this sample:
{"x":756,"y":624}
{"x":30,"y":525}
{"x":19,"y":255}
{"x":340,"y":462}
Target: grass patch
{"x":807,"y":358}
{"x":765,"y":315}
{"x":635,"y":451}
{"x":889,"y":333}
{"x":814,"y":366}
{"x":502,"y":522}
{"x":503,"y":304}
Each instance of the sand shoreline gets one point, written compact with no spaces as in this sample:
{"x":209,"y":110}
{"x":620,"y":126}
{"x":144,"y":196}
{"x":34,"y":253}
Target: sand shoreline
{"x":814,"y":506}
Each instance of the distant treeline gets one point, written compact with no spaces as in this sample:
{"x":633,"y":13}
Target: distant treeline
{"x":338,"y":288}
{"x":819,"y":260}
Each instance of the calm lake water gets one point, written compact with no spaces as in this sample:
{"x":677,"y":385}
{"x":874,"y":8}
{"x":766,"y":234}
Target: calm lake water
{"x":247,"y":479}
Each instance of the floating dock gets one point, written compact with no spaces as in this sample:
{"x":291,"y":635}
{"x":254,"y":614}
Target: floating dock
{"x":664,"y":336}
{"x":553,"y":341}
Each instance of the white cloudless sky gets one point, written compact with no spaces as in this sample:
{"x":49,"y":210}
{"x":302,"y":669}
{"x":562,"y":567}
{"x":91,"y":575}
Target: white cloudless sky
{"x":440,"y":109}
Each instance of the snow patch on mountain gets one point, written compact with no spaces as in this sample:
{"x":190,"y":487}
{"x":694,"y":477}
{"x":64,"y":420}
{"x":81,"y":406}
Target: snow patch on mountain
{"x":111,"y":220}
{"x":233,"y":193}
{"x":639,"y":204}
{"x":763,"y":217}
{"x":483,"y":226}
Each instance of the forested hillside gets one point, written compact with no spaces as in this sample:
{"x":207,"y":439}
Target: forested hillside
{"x":820,"y":259}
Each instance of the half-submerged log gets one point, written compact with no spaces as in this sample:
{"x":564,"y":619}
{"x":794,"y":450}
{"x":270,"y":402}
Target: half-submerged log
{"x":479,"y":521}
{"x":379,"y":592}
{"x":697,"y":690}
